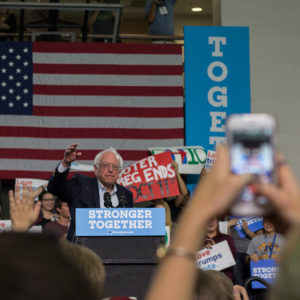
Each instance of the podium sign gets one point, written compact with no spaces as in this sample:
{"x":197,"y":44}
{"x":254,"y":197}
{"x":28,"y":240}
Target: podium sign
{"x":120,"y":222}
{"x":266,"y":269}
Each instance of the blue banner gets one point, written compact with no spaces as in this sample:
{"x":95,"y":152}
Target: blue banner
{"x":217,"y":81}
{"x":266,"y":269}
{"x":120,"y":222}
{"x":254,"y":224}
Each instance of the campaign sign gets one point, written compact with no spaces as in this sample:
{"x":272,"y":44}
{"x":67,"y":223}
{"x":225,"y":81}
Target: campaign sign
{"x":266,"y":269}
{"x":35,"y":183}
{"x":120,"y":222}
{"x":150,"y":178}
{"x":218,"y":258}
{"x":190,"y":159}
{"x":5,"y":226}
{"x":217,"y":81}
{"x":254,"y":224}
{"x":210,"y":159}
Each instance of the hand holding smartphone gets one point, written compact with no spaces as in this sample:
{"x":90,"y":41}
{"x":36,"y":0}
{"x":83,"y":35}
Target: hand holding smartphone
{"x":251,"y":141}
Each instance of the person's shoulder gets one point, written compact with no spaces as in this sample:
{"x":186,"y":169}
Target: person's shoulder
{"x":258,"y":238}
{"x":81,"y":177}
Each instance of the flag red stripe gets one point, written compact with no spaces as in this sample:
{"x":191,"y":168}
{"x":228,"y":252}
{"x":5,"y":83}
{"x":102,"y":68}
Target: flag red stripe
{"x":99,"y":133}
{"x":109,"y":48}
{"x":86,"y":90}
{"x":39,"y":154}
{"x":106,"y":69}
{"x":106,"y":111}
{"x":34,"y":174}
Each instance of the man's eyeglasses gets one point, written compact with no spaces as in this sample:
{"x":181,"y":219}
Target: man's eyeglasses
{"x":107,"y":166}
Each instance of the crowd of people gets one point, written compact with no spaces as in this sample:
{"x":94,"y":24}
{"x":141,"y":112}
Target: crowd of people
{"x":196,"y":228}
{"x":158,"y":13}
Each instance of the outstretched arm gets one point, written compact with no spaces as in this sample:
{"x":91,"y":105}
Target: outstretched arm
{"x":176,"y":276}
{"x":182,"y":187}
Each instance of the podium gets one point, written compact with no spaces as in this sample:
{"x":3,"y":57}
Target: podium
{"x":130,"y":262}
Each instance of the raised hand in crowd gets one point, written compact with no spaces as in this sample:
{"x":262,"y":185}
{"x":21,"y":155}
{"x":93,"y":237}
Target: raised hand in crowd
{"x":23,"y":211}
{"x":285,"y":196}
{"x":176,"y":276}
{"x":182,"y":186}
{"x":70,"y":155}
{"x":39,"y":190}
{"x":239,"y":293}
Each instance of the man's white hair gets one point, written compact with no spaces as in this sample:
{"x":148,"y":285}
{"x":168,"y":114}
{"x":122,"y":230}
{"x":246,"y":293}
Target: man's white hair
{"x":112,"y":150}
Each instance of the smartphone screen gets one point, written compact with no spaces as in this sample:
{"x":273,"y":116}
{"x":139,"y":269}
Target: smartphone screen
{"x":252,"y":151}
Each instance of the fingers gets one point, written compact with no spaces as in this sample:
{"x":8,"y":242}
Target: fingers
{"x":37,"y":209}
{"x":239,"y":291}
{"x":11,"y":199}
{"x":286,"y":178}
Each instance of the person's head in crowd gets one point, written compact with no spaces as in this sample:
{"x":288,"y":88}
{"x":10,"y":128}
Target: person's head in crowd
{"x":213,"y":228}
{"x":88,"y":263}
{"x":269,"y":227}
{"x":48,"y":201}
{"x":62,"y":208}
{"x":34,"y":266}
{"x":107,"y":166}
{"x":213,"y":285}
{"x":161,"y":203}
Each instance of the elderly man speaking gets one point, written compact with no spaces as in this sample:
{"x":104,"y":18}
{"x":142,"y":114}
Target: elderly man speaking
{"x":86,"y":192}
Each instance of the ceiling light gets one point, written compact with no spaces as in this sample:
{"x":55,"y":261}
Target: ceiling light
{"x":196,"y":9}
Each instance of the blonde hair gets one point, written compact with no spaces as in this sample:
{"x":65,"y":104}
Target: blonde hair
{"x":88,"y":263}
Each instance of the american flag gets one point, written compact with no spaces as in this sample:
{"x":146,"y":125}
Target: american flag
{"x":128,"y":96}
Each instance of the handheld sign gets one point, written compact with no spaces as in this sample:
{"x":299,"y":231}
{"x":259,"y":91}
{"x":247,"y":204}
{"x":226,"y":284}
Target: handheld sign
{"x":218,"y":258}
{"x":120,"y":222}
{"x":254,"y":224}
{"x":5,"y":226}
{"x":190,"y":159}
{"x":266,"y":269}
{"x":150,"y":178}
{"x":210,"y":160}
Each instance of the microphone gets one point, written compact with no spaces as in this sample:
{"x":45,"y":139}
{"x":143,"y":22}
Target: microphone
{"x":107,"y":200}
{"x":122,"y":201}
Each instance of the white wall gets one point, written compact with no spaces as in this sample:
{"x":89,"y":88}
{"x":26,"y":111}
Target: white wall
{"x":275,"y":64}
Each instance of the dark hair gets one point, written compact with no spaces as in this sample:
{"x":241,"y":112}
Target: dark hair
{"x":35,"y":267}
{"x":41,"y":195}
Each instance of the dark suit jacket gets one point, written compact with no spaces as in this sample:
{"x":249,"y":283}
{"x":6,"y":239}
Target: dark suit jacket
{"x":80,"y":192}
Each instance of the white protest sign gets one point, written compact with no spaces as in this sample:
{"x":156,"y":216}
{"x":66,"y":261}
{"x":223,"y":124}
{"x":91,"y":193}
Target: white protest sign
{"x":210,"y":159}
{"x":35,"y":183}
{"x":5,"y":225}
{"x":218,"y":258}
{"x":190,"y":159}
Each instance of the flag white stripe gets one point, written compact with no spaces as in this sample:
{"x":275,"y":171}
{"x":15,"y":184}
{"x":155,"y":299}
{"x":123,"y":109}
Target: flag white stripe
{"x":39,"y":165}
{"x":92,"y":122}
{"x":110,"y":80}
{"x":117,"y":101}
{"x":87,"y":144}
{"x":109,"y":59}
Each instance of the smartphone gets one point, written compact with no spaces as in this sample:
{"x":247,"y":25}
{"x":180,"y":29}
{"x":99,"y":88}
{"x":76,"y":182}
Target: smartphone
{"x":251,"y":140}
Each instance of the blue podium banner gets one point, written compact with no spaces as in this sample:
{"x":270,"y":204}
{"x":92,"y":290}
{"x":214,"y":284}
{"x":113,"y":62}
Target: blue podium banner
{"x":217,"y":81}
{"x":120,"y":222}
